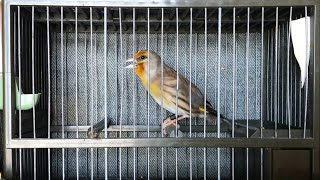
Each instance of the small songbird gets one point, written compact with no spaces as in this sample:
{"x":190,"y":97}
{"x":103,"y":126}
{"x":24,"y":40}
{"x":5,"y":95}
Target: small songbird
{"x":169,"y":91}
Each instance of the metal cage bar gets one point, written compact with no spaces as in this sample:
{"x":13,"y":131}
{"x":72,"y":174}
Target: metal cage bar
{"x":307,"y":78}
{"x":105,"y":17}
{"x":275,"y":95}
{"x":262,"y":92}
{"x":247,"y":89}
{"x":122,"y":90}
{"x":149,"y":80}
{"x":76,"y":84}
{"x":134,"y":89}
{"x":33,"y":92}
{"x":219,"y":86}
{"x":162,"y":54}
{"x":62,"y":91}
{"x":288,"y":80}
{"x":233,"y":86}
{"x":19,"y":63}
{"x":190,"y":97}
{"x":49,"y":90}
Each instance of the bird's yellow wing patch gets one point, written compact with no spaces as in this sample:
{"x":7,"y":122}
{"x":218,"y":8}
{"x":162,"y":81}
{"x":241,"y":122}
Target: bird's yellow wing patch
{"x":201,"y":108}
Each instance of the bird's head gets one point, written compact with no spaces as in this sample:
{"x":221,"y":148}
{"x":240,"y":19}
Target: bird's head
{"x":142,"y":59}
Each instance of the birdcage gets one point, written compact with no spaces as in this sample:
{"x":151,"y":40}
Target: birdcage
{"x":83,"y":115}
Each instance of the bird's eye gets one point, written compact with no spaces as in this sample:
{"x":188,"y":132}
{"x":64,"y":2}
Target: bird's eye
{"x":142,"y":57}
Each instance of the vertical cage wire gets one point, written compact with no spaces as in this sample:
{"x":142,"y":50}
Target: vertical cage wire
{"x":105,"y":30}
{"x":262,"y":74}
{"x":288,"y":77}
{"x":233,"y":85}
{"x":33,"y":92}
{"x":76,"y":72}
{"x":177,"y":87}
{"x":190,"y":96}
{"x":96,"y":92}
{"x":122,"y":71}
{"x":256,"y":76}
{"x":134,"y":87}
{"x":177,"y":66}
{"x":49,"y":90}
{"x":33,"y":73}
{"x":91,"y":84}
{"x":247,"y":72}
{"x":91,"y":69}
{"x":298,"y":95}
{"x":55,"y":72}
{"x":272,"y":74}
{"x":195,"y":72}
{"x":62,"y":92}
{"x":205,"y":73}
{"x":275,"y":94}
{"x":148,"y":49}
{"x":19,"y":63}
{"x":262,"y":91}
{"x":121,"y":91}
{"x":307,"y":79}
{"x":219,"y":85}
{"x":19,"y":68}
{"x":205,"y":97}
{"x":76,"y":84}
{"x":247,"y":88}
{"x":162,"y":49}
{"x":280,"y":75}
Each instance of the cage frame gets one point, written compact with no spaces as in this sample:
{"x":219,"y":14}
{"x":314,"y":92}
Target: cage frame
{"x":9,"y":103}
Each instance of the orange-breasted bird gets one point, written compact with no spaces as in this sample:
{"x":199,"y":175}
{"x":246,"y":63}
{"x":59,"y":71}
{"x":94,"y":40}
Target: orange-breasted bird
{"x":169,"y":91}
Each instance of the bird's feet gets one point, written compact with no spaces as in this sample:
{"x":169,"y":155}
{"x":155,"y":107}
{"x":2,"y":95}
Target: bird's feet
{"x":167,"y":123}
{"x":171,"y":121}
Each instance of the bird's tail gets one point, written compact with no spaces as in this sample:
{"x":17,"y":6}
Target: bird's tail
{"x":212,"y":115}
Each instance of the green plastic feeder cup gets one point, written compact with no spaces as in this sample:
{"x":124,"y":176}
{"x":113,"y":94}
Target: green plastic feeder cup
{"x":27,"y":100}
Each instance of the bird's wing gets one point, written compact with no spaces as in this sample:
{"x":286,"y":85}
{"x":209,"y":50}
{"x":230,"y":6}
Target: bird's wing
{"x":170,"y":85}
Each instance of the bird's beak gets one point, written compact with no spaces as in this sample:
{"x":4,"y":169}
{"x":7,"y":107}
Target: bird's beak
{"x":130,"y":65}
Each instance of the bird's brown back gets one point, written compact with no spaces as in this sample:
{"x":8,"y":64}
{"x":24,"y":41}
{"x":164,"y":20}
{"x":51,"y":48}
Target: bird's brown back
{"x":169,"y":91}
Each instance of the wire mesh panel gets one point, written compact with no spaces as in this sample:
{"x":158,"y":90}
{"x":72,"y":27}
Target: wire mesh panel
{"x":154,"y":165}
{"x":211,"y":89}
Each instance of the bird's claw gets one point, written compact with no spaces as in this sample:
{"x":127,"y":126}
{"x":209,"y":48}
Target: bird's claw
{"x":93,"y":134}
{"x":169,"y":122}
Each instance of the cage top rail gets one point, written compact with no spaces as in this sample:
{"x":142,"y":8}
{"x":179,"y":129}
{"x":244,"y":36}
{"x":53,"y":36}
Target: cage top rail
{"x":113,"y":22}
{"x":164,"y":3}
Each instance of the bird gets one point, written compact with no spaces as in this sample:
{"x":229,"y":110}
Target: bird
{"x":169,"y":91}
